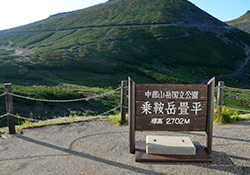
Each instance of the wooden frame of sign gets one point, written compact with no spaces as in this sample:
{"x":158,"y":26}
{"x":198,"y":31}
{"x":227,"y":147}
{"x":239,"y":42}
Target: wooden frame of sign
{"x":171,"y":107}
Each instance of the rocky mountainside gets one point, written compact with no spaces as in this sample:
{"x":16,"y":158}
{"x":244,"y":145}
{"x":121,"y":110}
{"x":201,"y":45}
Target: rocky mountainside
{"x":242,"y":23}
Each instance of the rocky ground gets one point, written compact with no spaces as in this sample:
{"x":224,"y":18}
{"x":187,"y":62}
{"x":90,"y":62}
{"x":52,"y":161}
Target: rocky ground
{"x":102,"y":148}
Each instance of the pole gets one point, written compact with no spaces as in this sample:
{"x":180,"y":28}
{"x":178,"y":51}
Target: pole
{"x":220,"y":94}
{"x":9,"y":108}
{"x":131,"y":114}
{"x":123,"y":101}
{"x":209,"y":127}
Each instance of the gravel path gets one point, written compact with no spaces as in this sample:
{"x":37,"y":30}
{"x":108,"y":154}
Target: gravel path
{"x":98,"y":148}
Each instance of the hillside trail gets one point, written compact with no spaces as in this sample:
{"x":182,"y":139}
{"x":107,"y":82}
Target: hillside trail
{"x":25,"y":52}
{"x":178,"y":24}
{"x":19,"y":52}
{"x":242,"y":65}
{"x":239,"y":68}
{"x":22,"y":52}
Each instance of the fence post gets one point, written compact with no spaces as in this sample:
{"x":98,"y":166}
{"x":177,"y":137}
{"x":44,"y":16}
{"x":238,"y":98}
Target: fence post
{"x":9,"y":108}
{"x":124,"y":85}
{"x":220,"y":94}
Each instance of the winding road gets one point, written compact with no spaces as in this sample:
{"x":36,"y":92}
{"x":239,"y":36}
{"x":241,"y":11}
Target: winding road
{"x":241,"y":66}
{"x":178,"y":24}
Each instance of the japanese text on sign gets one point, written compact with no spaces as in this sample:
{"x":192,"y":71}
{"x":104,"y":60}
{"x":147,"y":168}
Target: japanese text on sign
{"x":163,"y":107}
{"x":170,"y":108}
{"x":172,"y":94}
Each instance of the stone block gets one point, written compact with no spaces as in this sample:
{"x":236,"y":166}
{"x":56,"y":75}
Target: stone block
{"x":169,"y":145}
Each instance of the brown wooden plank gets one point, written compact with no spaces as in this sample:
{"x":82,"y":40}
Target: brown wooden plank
{"x":131,"y":113}
{"x":209,"y":128}
{"x":143,"y":123}
{"x":139,"y":109}
{"x":182,"y":90}
{"x":142,"y":156}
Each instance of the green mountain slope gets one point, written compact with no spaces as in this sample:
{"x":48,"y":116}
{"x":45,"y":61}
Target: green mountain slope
{"x":168,"y":41}
{"x":242,"y":23}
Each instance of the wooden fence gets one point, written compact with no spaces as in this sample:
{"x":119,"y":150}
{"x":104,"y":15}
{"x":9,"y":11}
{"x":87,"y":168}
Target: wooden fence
{"x":220,"y":98}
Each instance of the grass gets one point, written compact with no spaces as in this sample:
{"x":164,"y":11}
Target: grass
{"x":135,"y":12}
{"x":44,"y":111}
{"x":19,"y":129}
{"x":242,"y":22}
{"x":115,"y":119}
{"x":237,"y":99}
{"x":27,"y":124}
{"x":2,"y":131}
{"x":102,"y":56}
{"x":71,"y":59}
{"x":104,"y":62}
{"x":227,"y":116}
{"x":4,"y":52}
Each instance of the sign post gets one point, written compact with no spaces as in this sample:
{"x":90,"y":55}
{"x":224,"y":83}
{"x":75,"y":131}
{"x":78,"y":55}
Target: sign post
{"x":210,"y":116}
{"x":131,"y":113}
{"x":171,"y":107}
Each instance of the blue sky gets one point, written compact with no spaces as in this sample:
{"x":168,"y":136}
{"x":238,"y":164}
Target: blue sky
{"x":224,"y":10}
{"x":19,"y":12}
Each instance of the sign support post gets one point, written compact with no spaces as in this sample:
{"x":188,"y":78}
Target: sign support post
{"x":210,"y":107}
{"x":131,"y":114}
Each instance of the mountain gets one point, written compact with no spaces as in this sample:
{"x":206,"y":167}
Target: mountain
{"x":242,"y":23}
{"x":166,"y":41}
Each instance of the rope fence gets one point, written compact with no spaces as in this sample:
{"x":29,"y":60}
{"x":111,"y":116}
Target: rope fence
{"x":238,"y":110}
{"x":24,"y":118}
{"x":220,"y":98}
{"x":232,"y":88}
{"x":123,"y":104}
{"x":9,"y":105}
{"x":35,"y":120}
{"x":64,"y":101}
{"x":2,"y":116}
{"x":104,"y":113}
{"x":235,"y":98}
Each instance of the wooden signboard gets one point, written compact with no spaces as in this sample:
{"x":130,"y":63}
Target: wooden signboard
{"x":171,"y":107}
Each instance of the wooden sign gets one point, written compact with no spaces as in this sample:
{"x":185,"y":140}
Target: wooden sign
{"x":171,"y":107}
